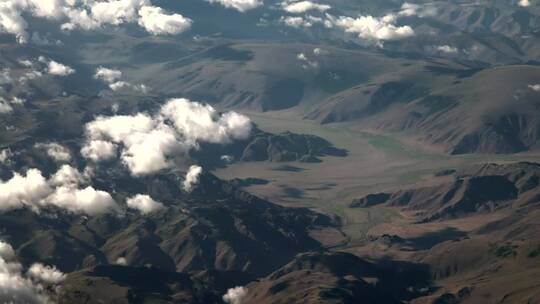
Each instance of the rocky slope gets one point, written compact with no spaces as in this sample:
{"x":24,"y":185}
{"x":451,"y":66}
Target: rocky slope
{"x":263,"y":146}
{"x":337,"y":278}
{"x":217,"y":227}
{"x":476,"y":189}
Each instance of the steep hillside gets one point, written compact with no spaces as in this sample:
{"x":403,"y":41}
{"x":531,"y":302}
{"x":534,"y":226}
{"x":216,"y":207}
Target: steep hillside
{"x":477,"y":233}
{"x":490,"y":111}
{"x":218,"y":228}
{"x":337,"y":278}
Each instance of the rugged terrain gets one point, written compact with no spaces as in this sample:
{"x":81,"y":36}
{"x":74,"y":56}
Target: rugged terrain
{"x":332,"y":151}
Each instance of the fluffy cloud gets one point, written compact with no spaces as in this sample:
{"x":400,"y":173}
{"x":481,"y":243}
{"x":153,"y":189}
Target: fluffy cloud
{"x":116,"y":12}
{"x":320,"y":52}
{"x":5,"y":154}
{"x":144,"y":203}
{"x":5,"y":77}
{"x":447,"y":49}
{"x":88,"y":200}
{"x":56,"y":151}
{"x":150,"y":143}
{"x":306,"y":62}
{"x":305,"y":21}
{"x":45,"y":274}
{"x":412,"y":9}
{"x":5,"y":107}
{"x":372,"y":28}
{"x":192,"y":177}
{"x":97,"y":150}
{"x":156,"y":22}
{"x":24,"y":190}
{"x":17,"y":101}
{"x":11,"y":21}
{"x":235,"y":295}
{"x":15,"y":287}
{"x":87,"y":15}
{"x":6,"y":251}
{"x":524,"y":3}
{"x":33,"y":190}
{"x":67,"y":175}
{"x":534,"y":87}
{"x":113,"y":79}
{"x":239,"y":5}
{"x":58,"y":69}
{"x":107,"y":75}
{"x":304,"y":6}
{"x":198,"y":122}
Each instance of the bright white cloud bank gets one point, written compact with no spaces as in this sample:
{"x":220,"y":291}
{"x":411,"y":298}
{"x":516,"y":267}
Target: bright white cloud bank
{"x":157,"y":22}
{"x":17,"y":287}
{"x":107,"y":75}
{"x":56,"y":151}
{"x":89,"y":14}
{"x":368,"y":28}
{"x":304,"y":6}
{"x":192,"y":177}
{"x":113,"y":78}
{"x":239,"y":5}
{"x":524,"y":3}
{"x":144,"y":203}
{"x":6,"y":106}
{"x":235,"y":295}
{"x":34,"y":191}
{"x":47,"y":274}
{"x":372,"y":28}
{"x":58,"y":69}
{"x":420,"y":10}
{"x":149,"y":143}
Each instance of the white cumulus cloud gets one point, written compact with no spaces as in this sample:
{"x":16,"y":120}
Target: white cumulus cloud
{"x":16,"y":287}
{"x":5,"y":107}
{"x":150,"y":143}
{"x":144,"y":203}
{"x":113,"y":78}
{"x":192,"y":177}
{"x":5,"y":155}
{"x":46,"y":274}
{"x":420,"y":10}
{"x":24,"y":190}
{"x":56,"y":68}
{"x":239,"y":5}
{"x":235,"y":295}
{"x":447,"y":49}
{"x":88,"y":200}
{"x":304,"y":6}
{"x":157,"y":22}
{"x":56,"y":151}
{"x":534,"y":87}
{"x":198,"y":122}
{"x":373,"y":28}
{"x":305,"y":21}
{"x":98,"y":150}
{"x":107,"y":75}
{"x":87,"y":15}
{"x":524,"y":3}
{"x":67,"y":175}
{"x":34,"y":191}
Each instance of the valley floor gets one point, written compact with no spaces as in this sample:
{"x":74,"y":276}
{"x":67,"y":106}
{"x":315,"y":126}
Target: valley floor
{"x":375,"y":163}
